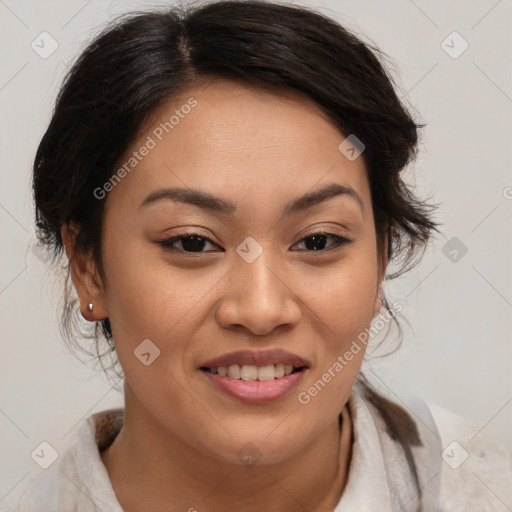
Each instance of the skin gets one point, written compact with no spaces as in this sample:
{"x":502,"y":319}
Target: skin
{"x":178,"y":448}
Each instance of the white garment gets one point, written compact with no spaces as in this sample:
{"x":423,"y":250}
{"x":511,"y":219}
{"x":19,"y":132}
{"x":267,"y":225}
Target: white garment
{"x":78,"y":480}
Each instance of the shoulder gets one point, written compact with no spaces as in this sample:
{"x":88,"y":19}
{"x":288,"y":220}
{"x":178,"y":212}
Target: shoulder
{"x":77,"y":481}
{"x":476,"y":469}
{"x":52,"y":490}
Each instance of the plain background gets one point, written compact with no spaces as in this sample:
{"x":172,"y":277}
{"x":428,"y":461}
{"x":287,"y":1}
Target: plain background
{"x":457,"y":350}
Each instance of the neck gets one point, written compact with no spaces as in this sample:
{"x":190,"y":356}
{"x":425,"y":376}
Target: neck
{"x":149,"y":470}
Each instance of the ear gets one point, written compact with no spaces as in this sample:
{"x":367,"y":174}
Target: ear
{"x":85,"y":276}
{"x":381,"y":272}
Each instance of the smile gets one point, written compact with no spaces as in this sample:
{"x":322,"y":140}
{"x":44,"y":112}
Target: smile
{"x":249,"y":372}
{"x":247,"y":384}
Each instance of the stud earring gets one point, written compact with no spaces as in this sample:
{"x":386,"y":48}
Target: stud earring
{"x":90,"y":306}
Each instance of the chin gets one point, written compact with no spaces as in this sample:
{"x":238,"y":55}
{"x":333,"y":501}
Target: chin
{"x":257,"y":447}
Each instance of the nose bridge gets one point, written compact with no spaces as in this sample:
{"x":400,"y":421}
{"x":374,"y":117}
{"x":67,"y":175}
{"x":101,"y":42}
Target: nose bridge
{"x":258,"y":280}
{"x":257,"y":294}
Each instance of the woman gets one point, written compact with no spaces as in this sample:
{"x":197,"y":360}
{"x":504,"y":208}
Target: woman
{"x":225,"y":183}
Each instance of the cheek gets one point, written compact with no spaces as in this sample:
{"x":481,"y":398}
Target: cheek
{"x":341,"y":303}
{"x":150,"y":298}
{"x":342,"y":297}
{"x":342,"y":306}
{"x":350,"y":307}
{"x":138,"y":296}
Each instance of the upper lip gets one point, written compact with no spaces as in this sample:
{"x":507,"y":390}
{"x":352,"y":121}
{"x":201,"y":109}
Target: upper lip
{"x":256,"y":358}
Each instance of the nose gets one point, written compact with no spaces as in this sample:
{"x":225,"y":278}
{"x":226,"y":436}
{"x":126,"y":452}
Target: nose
{"x":258,"y":297}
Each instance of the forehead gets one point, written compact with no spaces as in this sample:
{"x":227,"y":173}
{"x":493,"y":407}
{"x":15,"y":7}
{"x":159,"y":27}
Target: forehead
{"x":240,"y":142}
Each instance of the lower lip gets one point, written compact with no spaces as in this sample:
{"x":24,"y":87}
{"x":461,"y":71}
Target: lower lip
{"x":256,"y":391}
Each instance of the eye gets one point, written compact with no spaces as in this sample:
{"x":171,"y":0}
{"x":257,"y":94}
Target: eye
{"x":190,"y":242}
{"x":195,"y":243}
{"x":316,"y":241}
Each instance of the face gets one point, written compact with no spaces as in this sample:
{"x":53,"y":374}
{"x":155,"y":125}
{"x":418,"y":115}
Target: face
{"x":250,"y":269}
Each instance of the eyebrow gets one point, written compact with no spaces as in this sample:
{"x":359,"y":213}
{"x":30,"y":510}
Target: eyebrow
{"x":216,"y":204}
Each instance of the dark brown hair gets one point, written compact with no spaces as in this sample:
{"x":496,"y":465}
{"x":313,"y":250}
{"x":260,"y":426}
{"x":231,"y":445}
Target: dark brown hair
{"x":146,"y":58}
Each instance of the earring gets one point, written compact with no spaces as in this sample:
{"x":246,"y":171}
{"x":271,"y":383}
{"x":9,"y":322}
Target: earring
{"x":90,"y":306}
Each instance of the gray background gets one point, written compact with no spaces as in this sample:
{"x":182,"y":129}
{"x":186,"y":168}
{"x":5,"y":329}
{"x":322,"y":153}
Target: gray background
{"x":457,"y":350}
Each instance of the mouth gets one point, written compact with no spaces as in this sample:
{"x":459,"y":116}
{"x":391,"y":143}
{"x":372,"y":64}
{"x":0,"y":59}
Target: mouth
{"x":248,"y":372}
{"x":256,"y":377}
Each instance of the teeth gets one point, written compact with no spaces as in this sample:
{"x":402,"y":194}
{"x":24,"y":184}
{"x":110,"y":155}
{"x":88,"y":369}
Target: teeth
{"x":279,"y":370}
{"x":234,"y":371}
{"x":266,"y":372}
{"x":250,"y":372}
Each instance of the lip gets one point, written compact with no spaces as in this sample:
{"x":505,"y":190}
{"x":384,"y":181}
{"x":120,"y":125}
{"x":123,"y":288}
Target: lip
{"x":255,"y":391}
{"x":256,"y":358}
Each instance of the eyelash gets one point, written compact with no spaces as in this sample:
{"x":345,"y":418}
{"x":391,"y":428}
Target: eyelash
{"x":340,"y":241}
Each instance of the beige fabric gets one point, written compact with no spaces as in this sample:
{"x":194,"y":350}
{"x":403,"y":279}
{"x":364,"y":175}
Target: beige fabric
{"x":78,"y":480}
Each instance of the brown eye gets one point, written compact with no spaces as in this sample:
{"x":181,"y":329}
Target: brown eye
{"x":317,"y":241}
{"x":195,"y":243}
{"x":190,"y":243}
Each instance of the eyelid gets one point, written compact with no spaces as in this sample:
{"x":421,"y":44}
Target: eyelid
{"x":323,"y":229}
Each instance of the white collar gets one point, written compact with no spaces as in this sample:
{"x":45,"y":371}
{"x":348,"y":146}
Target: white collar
{"x":367,"y":486}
